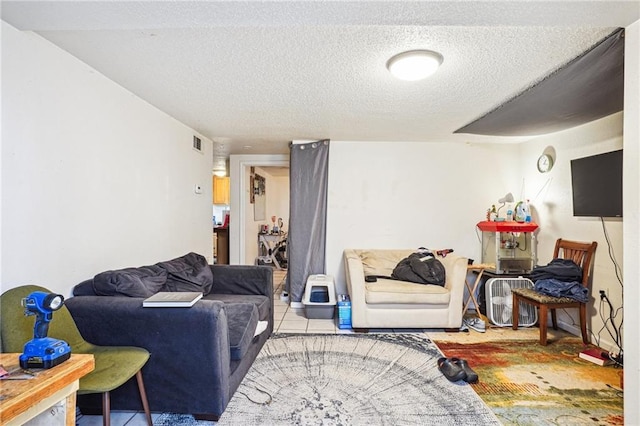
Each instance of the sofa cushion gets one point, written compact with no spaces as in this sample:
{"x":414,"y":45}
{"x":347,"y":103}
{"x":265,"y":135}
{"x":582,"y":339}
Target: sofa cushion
{"x":385,"y":291}
{"x":190,"y":272}
{"x":143,"y":281}
{"x":263,"y":303}
{"x":381,"y":262}
{"x":242,"y":320}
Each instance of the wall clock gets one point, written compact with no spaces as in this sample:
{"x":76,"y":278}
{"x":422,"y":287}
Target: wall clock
{"x":545,"y":163}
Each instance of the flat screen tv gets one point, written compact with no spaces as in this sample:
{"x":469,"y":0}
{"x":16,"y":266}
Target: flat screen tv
{"x":596,"y":183}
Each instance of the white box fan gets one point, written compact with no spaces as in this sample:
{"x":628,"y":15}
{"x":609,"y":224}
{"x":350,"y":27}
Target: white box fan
{"x":500,"y":302}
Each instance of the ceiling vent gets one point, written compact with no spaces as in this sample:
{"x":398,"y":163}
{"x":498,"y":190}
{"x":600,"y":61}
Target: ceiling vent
{"x":197,"y":144}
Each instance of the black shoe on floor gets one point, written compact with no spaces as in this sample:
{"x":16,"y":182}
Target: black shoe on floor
{"x":471,"y":376}
{"x":451,"y":370}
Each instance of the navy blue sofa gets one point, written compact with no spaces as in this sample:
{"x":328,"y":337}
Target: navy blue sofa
{"x":199,"y":355}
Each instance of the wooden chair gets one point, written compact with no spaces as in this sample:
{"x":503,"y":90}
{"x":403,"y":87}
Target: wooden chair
{"x":114,"y":365}
{"x":582,"y":255}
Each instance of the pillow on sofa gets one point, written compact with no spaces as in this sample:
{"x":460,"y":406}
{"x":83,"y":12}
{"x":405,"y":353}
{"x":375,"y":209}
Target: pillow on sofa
{"x":190,"y":272}
{"x":381,"y":262}
{"x":144,"y":281}
{"x":85,"y":288}
{"x":242,"y":320}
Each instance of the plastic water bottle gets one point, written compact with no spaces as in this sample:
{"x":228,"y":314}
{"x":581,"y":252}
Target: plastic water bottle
{"x":527,"y":212}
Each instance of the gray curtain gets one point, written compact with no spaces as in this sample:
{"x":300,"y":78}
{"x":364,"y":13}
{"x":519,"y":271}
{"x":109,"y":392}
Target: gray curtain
{"x":308,"y":175}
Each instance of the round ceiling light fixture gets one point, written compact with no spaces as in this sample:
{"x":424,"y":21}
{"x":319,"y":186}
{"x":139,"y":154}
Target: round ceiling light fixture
{"x":414,"y":64}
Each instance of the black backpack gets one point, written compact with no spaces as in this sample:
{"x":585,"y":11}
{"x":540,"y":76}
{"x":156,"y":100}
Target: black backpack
{"x":421,"y":268}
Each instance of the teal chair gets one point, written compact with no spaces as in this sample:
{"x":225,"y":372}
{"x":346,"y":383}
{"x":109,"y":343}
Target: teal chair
{"x":114,"y":365}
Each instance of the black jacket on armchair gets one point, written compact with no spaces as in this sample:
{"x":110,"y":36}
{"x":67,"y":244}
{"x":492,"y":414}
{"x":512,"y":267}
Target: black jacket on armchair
{"x":199,"y":355}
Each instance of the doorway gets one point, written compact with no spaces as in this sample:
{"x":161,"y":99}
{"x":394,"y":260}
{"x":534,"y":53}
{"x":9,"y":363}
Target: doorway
{"x":244,"y":229}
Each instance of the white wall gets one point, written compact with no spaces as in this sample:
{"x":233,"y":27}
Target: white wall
{"x":93,"y":177}
{"x":407,"y":195}
{"x":278,"y":199}
{"x":632,"y":222}
{"x":552,"y":206}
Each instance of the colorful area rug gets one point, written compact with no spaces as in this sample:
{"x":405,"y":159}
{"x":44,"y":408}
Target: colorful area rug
{"x":528,"y":384}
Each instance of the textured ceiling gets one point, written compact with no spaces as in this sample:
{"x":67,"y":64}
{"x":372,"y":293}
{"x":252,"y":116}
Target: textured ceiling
{"x":260,"y":74}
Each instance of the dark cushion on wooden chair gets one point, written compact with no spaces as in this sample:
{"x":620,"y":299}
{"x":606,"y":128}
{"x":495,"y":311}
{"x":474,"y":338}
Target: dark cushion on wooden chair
{"x":530,"y":293}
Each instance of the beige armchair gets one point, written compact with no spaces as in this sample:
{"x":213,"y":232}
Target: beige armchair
{"x":390,"y":303}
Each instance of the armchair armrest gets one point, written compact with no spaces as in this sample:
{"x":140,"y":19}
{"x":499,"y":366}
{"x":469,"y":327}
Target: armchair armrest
{"x":456,"y":267}
{"x":354,"y":272}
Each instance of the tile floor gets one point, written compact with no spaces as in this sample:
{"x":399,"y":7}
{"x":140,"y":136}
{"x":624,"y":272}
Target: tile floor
{"x":290,"y":320}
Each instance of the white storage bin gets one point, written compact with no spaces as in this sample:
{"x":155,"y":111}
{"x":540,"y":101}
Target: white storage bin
{"x":319,"y":297}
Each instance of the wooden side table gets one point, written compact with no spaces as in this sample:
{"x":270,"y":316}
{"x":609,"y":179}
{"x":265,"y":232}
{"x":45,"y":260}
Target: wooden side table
{"x":480,"y":268}
{"x":22,"y":400}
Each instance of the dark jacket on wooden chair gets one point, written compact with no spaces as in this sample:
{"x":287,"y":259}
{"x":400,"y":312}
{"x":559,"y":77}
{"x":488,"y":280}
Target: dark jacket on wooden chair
{"x":559,"y":269}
